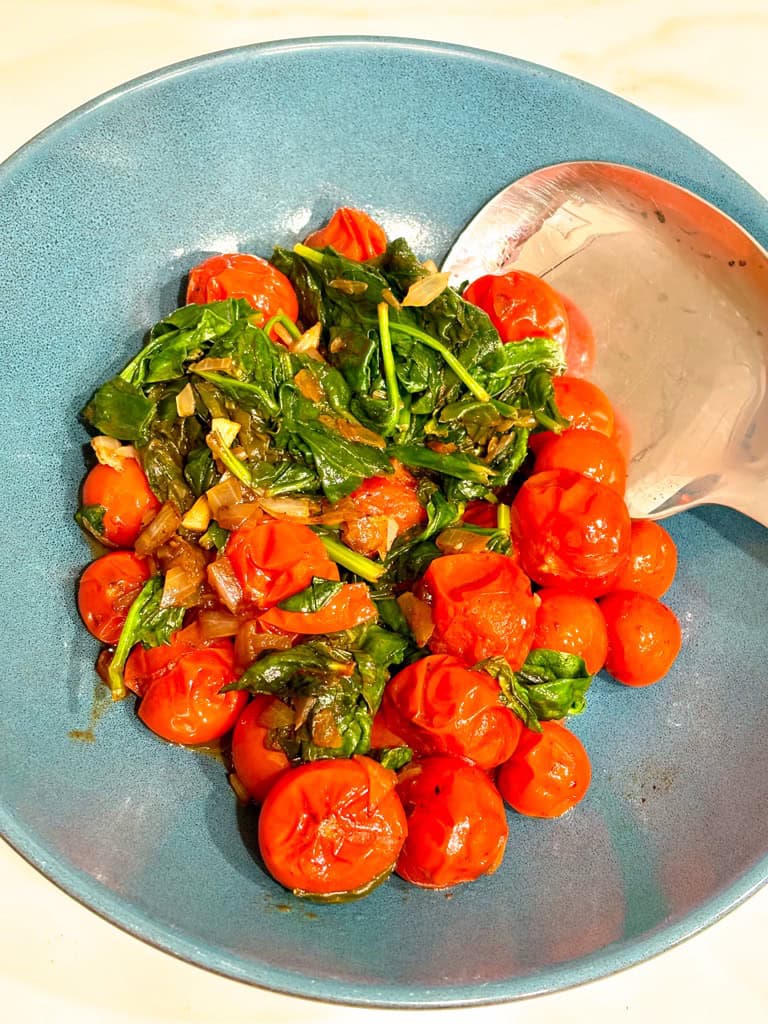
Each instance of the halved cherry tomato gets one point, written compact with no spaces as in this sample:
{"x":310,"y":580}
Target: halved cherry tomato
{"x":457,"y":828}
{"x":548,"y":773}
{"x":573,"y":624}
{"x":274,"y":560}
{"x":652,"y":561}
{"x":239,"y":275}
{"x":126,"y":498}
{"x":481,"y":606}
{"x":442,"y":707}
{"x":350,"y":607}
{"x":258,"y":762}
{"x":585,"y":451}
{"x":520,"y":306}
{"x":183,"y":702}
{"x":580,"y":353}
{"x":332,"y":828}
{"x":644,"y":637}
{"x":570,"y":531}
{"x":380,"y":509}
{"x":352,"y":233}
{"x":106,"y":591}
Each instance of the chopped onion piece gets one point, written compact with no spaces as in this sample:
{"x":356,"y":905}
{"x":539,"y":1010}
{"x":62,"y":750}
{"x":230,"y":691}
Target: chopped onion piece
{"x":390,"y":299}
{"x":283,"y":334}
{"x":181,"y":589}
{"x":225,"y":365}
{"x":423,"y":291}
{"x":325,"y":729}
{"x":418,"y":615}
{"x":251,"y":641}
{"x":294,"y":509}
{"x":160,"y":529}
{"x":454,"y":541}
{"x":198,"y":518}
{"x":110,"y":452}
{"x":215,"y":623}
{"x":349,"y":287}
{"x":240,"y":791}
{"x":226,"y":429}
{"x":221,"y":576}
{"x":354,"y":431}
{"x":222,"y":495}
{"x":309,"y":386}
{"x":309,"y":340}
{"x":302,"y":706}
{"x":185,"y":401}
{"x":233,"y":516}
{"x":430,"y":266}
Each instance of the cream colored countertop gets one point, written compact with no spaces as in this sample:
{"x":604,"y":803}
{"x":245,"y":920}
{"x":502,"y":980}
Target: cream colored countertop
{"x":699,"y":64}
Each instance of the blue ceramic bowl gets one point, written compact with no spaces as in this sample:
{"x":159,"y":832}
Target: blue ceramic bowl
{"x":100,"y":217}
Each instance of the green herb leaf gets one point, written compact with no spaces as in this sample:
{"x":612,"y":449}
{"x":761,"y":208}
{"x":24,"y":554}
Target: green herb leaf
{"x":394,"y":758}
{"x":146,"y":623}
{"x":90,"y":518}
{"x":550,"y":685}
{"x":312,"y":598}
{"x":121,"y":410}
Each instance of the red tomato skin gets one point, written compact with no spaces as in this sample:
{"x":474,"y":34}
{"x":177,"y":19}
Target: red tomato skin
{"x":239,"y":275}
{"x":570,"y":531}
{"x":349,"y":608}
{"x":481,"y":513}
{"x":547,"y":775}
{"x":584,"y":404}
{"x":520,"y":305}
{"x":126,"y":498}
{"x":257,"y":765}
{"x":393,"y":496}
{"x":457,"y":828}
{"x":184,"y":705}
{"x":652,"y":561}
{"x":274,"y":560}
{"x":481,"y":606}
{"x":442,"y":707}
{"x":106,"y":591}
{"x":352,"y":233}
{"x":332,"y":827}
{"x":585,"y":451}
{"x":644,"y":637}
{"x":573,"y":624}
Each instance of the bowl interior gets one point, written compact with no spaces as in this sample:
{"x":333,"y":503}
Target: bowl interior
{"x":102,"y":216}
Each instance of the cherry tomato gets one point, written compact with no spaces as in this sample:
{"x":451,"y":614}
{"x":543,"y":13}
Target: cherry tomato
{"x":350,"y":607}
{"x":107,"y":590}
{"x":644,"y":637}
{"x":442,"y":707}
{"x":239,"y":275}
{"x":584,"y":404}
{"x":652,"y":560}
{"x":481,"y":606}
{"x":570,"y":531}
{"x":457,"y":828}
{"x":332,"y":827}
{"x":481,"y":513}
{"x":147,"y":663}
{"x":352,"y":233}
{"x":274,"y":560}
{"x":580,"y":353}
{"x":379,"y":505}
{"x":126,"y":498}
{"x":520,"y":306}
{"x":258,"y":761}
{"x":573,"y":624}
{"x":548,"y":773}
{"x":588,"y":452}
{"x":182,"y":703}
{"x":383,"y":735}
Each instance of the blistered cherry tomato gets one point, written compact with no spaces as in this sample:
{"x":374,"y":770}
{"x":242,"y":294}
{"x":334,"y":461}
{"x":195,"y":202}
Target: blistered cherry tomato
{"x":583,"y":404}
{"x":352,"y":233}
{"x":570,"y":531}
{"x":548,"y":773}
{"x":182,"y":702}
{"x":457,"y":828}
{"x":573,"y":624}
{"x":107,"y":590}
{"x":331,"y":828}
{"x":481,"y":606}
{"x":585,"y":451}
{"x":350,"y":607}
{"x":258,"y":759}
{"x":274,"y":560}
{"x":239,"y":275}
{"x":652,"y":561}
{"x":379,"y":510}
{"x":442,"y":707}
{"x":126,"y":498}
{"x":644,"y":637}
{"x":520,"y":306}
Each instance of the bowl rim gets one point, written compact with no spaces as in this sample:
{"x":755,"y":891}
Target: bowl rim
{"x":112,"y":907}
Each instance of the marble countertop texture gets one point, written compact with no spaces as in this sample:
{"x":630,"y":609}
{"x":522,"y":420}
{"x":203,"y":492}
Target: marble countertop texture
{"x":699,"y":64}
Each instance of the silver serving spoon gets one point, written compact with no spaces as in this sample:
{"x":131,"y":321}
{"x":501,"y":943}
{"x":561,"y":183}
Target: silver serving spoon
{"x":677,"y":295}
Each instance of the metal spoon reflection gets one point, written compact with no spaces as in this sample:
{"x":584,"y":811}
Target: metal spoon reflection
{"x":677,"y":295}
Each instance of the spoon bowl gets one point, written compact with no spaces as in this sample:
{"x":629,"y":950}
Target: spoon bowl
{"x":677,"y":296}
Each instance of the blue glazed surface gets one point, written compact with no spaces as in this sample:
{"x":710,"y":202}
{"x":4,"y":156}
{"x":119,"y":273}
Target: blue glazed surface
{"x":101,"y":216}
